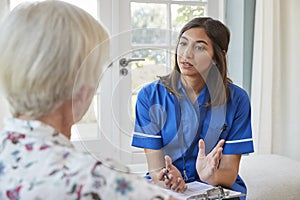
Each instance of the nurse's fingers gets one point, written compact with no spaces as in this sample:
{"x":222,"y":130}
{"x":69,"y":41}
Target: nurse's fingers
{"x":181,"y":185}
{"x":217,"y":148}
{"x":201,"y":152}
{"x":217,"y":157}
{"x":163,"y":174}
{"x":221,"y":143}
{"x":168,"y":162}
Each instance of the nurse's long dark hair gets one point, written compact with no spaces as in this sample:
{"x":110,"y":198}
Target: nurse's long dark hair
{"x":220,"y":36}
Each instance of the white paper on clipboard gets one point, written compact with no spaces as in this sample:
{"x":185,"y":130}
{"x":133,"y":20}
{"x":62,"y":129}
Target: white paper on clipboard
{"x":197,"y":188}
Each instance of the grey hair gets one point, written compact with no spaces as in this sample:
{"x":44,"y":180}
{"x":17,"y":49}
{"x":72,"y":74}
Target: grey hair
{"x":42,"y":48}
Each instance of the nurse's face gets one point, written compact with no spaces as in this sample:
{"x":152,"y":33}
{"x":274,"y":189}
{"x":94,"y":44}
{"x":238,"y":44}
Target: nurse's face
{"x":194,"y":53}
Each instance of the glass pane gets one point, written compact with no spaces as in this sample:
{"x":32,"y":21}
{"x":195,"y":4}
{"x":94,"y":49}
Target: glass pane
{"x":148,"y":36}
{"x":89,"y":5}
{"x":147,"y":22}
{"x":181,"y":14}
{"x":204,"y":1}
{"x":147,"y":71}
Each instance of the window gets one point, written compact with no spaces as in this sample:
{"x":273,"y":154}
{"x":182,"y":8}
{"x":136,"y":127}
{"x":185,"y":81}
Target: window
{"x":90,"y":5}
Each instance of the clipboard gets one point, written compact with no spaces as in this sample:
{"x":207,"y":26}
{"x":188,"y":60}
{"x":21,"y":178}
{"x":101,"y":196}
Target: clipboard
{"x":201,"y":191}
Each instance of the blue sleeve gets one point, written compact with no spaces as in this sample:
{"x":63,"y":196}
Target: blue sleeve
{"x":147,"y":129}
{"x":239,"y":139}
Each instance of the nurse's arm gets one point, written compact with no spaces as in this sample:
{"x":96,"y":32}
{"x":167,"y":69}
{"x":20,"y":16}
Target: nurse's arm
{"x":156,"y":162}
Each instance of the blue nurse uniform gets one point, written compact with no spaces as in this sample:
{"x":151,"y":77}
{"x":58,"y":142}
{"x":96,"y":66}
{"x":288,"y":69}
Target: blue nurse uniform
{"x":175,"y":125}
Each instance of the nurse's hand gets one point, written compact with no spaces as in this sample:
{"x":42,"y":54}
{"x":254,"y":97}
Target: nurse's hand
{"x":206,"y":165}
{"x":172,"y":176}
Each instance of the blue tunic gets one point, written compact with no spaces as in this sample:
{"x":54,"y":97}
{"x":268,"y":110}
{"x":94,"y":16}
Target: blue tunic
{"x":158,"y":125}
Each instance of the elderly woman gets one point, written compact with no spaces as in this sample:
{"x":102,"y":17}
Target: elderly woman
{"x":51,"y":55}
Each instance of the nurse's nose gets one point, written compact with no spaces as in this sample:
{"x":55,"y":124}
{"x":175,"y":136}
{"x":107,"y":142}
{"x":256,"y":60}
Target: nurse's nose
{"x":188,"y":52}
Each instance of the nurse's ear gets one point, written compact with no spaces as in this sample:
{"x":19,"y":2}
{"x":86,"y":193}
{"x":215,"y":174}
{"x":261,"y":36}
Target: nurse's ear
{"x":224,"y":53}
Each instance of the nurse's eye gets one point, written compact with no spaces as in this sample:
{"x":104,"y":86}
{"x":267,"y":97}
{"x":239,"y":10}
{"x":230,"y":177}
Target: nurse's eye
{"x":199,"y":48}
{"x":181,"y":43}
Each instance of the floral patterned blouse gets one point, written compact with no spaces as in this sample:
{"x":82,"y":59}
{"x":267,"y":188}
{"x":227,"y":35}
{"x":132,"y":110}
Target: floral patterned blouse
{"x":36,"y":162}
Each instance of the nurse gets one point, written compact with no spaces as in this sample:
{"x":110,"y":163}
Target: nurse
{"x":194,"y":124}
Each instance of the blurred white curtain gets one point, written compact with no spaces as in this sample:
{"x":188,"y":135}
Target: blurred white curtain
{"x":275,"y":95}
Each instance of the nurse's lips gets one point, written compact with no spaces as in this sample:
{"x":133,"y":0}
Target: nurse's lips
{"x":186,"y":64}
